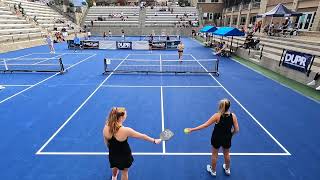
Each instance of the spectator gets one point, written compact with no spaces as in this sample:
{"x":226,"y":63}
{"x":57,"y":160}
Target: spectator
{"x":259,"y":26}
{"x":313,"y":82}
{"x":104,"y":35}
{"x":123,"y":36}
{"x":23,"y":12}
{"x":91,"y":23}
{"x":89,"y":34}
{"x":110,"y":34}
{"x":77,"y":43}
{"x":222,"y":50}
{"x":35,"y":19}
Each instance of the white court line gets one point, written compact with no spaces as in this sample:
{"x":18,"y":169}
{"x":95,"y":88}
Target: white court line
{"x":45,"y":80}
{"x":69,"y":53}
{"x":125,"y":86}
{"x":16,"y":85}
{"x":314,"y":100}
{"x":282,"y":147}
{"x":160,"y":154}
{"x":162,"y":109}
{"x":77,"y":110}
{"x":161,"y":54}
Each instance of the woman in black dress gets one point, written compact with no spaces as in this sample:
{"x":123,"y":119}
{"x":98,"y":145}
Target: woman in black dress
{"x":116,"y":137}
{"x":226,"y":125}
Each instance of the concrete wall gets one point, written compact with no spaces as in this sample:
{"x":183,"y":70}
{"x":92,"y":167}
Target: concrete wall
{"x":273,"y":65}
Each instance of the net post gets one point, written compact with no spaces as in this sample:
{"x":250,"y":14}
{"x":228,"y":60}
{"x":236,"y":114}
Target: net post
{"x":105,"y":66}
{"x":217,"y":65}
{"x":61,"y":66}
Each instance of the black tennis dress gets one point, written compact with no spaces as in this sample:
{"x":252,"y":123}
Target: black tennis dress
{"x":120,"y":155}
{"x":221,"y":135}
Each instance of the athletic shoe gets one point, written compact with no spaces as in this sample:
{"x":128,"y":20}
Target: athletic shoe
{"x":227,"y":171}
{"x":209,"y":169}
{"x":2,"y":87}
{"x":318,"y":88}
{"x":312,"y":83}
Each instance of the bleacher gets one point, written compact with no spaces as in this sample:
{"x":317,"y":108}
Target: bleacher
{"x":101,"y":15}
{"x":13,"y":28}
{"x":46,"y":17}
{"x":161,"y":16}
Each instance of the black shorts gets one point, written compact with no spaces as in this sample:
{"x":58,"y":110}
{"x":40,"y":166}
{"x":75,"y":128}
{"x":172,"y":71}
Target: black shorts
{"x":121,"y":162}
{"x":225,"y":142}
{"x":180,"y":51}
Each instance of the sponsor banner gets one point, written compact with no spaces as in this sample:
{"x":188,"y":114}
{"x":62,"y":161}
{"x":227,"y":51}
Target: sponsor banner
{"x":88,"y":44}
{"x":297,"y":60}
{"x":70,"y":44}
{"x":124,"y":45}
{"x":107,"y":45}
{"x":158,"y":45}
{"x":140,"y":45}
{"x":172,"y":44}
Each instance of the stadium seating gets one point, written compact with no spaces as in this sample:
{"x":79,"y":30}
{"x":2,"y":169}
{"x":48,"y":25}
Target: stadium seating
{"x":13,"y":28}
{"x":178,"y":17}
{"x":46,"y":17}
{"x":113,"y":15}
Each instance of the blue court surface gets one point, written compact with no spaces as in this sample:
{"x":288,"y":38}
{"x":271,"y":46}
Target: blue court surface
{"x":51,"y":124}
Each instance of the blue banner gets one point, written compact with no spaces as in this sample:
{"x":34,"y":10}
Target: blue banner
{"x":297,"y":60}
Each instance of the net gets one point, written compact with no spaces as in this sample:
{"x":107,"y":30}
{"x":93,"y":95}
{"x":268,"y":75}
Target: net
{"x":203,"y":66}
{"x":32,"y":65}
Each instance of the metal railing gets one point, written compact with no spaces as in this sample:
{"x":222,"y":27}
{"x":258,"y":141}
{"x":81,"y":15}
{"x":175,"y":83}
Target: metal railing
{"x":245,"y":7}
{"x":59,"y":8}
{"x":255,"y":5}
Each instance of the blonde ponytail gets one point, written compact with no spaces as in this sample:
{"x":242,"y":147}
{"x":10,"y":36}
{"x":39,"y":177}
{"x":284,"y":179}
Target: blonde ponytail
{"x":224,"y":106}
{"x":113,"y":119}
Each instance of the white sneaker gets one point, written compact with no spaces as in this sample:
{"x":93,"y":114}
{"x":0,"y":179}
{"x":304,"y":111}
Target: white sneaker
{"x":312,"y":83}
{"x":2,"y":87}
{"x":209,"y":169}
{"x":227,"y":171}
{"x":318,"y":88}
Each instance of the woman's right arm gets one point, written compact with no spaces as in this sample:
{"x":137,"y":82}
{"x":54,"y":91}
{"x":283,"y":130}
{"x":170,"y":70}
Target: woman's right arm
{"x":235,"y":124}
{"x":135,"y":134}
{"x":212,"y":120}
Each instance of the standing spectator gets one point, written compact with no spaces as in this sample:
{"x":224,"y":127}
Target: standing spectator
{"x":259,"y":26}
{"x":123,"y":36}
{"x":110,"y":34}
{"x":91,"y":23}
{"x":313,"y":82}
{"x":77,"y":42}
{"x":89,"y":34}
